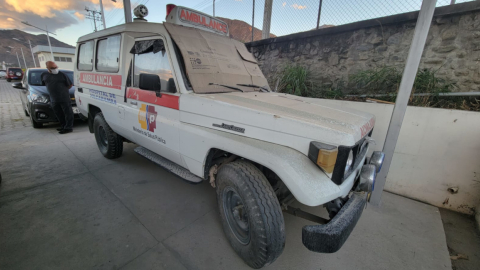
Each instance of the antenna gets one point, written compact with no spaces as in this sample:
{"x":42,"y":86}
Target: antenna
{"x":93,"y":15}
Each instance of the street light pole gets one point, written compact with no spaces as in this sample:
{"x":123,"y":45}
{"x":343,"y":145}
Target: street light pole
{"x":18,"y":60}
{"x":33,"y":56}
{"x":49,"y":44}
{"x":25,"y":62}
{"x":48,"y":36}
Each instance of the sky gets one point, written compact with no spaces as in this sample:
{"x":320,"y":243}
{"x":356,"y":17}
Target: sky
{"x":66,"y":18}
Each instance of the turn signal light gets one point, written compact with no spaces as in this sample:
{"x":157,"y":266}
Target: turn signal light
{"x":324,"y":155}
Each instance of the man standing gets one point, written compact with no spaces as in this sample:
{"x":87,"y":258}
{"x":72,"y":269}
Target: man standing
{"x":58,"y":85}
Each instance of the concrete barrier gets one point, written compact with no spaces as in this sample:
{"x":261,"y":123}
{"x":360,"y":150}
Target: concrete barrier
{"x":438,"y":152}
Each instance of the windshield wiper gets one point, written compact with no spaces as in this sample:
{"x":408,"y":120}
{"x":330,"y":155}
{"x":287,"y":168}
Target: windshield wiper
{"x":253,"y":85}
{"x":227,"y":86}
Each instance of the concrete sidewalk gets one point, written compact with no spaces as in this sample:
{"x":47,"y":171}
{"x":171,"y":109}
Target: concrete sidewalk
{"x":64,"y":206}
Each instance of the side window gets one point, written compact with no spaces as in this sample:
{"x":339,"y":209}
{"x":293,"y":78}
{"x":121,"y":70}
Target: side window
{"x":57,"y":59}
{"x":85,"y":56}
{"x":108,"y":53}
{"x":150,"y":57}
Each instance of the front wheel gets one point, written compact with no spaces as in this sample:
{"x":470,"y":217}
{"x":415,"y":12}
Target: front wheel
{"x":250,"y":212}
{"x":109,"y":143}
{"x":35,"y":124}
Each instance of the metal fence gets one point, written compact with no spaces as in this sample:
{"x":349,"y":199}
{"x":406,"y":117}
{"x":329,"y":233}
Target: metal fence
{"x":293,"y":16}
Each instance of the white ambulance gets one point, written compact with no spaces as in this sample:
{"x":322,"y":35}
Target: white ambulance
{"x":197,"y":104}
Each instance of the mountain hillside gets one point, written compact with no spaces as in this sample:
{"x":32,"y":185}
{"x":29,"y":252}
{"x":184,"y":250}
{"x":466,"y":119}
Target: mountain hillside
{"x":6,"y":40}
{"x":242,"y":31}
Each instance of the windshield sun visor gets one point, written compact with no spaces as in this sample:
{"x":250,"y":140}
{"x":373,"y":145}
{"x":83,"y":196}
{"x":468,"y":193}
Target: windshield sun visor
{"x":212,"y":60}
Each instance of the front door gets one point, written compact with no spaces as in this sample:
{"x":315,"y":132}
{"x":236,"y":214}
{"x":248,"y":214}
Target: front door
{"x":156,"y":120}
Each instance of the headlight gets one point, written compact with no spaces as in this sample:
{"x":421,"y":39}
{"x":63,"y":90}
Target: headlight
{"x":349,"y":163}
{"x":39,"y":98}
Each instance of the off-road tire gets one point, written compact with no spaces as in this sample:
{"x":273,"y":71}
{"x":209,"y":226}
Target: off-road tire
{"x":9,"y":80}
{"x":111,"y":145}
{"x":266,"y":228}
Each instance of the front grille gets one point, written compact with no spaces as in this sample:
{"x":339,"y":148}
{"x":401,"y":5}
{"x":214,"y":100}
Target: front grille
{"x":339,"y":174}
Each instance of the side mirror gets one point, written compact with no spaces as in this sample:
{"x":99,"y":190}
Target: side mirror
{"x":150,"y":82}
{"x":171,"y":88}
{"x":17,"y":85}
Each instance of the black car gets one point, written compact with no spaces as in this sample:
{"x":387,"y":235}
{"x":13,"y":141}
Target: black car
{"x":36,"y":100}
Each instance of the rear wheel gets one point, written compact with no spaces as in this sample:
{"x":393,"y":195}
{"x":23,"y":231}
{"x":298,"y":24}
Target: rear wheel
{"x":109,"y":143}
{"x":251,"y":215}
{"x":9,"y":80}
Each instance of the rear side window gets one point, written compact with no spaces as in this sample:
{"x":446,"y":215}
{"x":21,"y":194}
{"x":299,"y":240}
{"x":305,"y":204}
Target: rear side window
{"x":108,"y":53}
{"x":85,"y":56}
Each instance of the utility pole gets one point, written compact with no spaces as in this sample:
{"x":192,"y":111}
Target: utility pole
{"x":213,"y":8}
{"x":103,"y":15}
{"x":127,"y":9}
{"x":33,"y":56}
{"x":93,"y":15}
{"x":267,"y":19}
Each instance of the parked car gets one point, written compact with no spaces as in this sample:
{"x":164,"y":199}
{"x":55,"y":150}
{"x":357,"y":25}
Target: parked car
{"x":3,"y":74}
{"x":36,"y":100}
{"x":198,"y":104}
{"x":14,"y":73}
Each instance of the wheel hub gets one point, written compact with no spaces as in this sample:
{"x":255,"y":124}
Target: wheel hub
{"x":236,"y":215}
{"x":103,"y":136}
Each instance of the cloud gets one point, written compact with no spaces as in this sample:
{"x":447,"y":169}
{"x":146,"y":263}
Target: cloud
{"x":284,"y":4}
{"x":79,"y":15}
{"x":56,"y":14}
{"x":297,"y":6}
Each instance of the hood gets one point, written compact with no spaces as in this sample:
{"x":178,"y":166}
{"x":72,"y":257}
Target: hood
{"x":280,"y":117}
{"x":43,"y":90}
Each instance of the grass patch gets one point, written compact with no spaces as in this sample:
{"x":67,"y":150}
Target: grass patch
{"x":296,"y":80}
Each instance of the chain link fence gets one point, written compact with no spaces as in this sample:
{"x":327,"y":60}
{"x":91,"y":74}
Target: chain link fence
{"x":293,"y":16}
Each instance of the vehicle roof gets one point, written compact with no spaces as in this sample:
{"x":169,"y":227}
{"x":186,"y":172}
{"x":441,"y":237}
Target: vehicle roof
{"x":13,"y":67}
{"x":146,"y":27}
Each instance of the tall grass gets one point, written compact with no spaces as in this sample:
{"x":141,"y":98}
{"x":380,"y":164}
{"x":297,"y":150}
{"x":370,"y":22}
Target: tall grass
{"x":296,"y":80}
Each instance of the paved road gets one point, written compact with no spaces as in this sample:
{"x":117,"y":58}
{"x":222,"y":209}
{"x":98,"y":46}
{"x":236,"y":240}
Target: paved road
{"x":64,"y":206}
{"x":12,"y":115}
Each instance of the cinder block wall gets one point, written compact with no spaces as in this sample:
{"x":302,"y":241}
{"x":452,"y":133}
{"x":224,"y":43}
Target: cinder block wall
{"x":332,"y":54}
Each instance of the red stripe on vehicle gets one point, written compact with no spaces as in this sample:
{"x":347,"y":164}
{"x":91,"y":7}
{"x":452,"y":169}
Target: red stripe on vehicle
{"x":367,"y":127}
{"x":104,"y":80}
{"x":166,"y":100}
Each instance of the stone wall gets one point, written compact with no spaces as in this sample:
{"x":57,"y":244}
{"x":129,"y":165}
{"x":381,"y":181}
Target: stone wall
{"x":332,"y":54}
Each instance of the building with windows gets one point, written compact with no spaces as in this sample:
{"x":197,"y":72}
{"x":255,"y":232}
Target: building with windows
{"x":62,"y":56}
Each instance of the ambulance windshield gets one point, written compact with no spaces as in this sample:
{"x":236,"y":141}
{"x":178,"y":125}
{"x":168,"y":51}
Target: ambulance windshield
{"x":213,"y":61}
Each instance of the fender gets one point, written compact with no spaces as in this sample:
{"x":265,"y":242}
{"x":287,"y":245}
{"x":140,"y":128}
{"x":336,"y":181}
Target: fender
{"x":307,"y":182}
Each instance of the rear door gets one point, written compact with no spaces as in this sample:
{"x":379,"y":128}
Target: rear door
{"x":154,"y":115}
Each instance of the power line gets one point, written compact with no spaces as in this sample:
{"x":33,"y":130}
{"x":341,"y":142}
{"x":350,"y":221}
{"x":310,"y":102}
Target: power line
{"x":93,"y":15}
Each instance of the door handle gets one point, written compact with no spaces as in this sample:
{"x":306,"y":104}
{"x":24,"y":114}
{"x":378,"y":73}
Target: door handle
{"x":79,"y":89}
{"x":133,"y":102}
